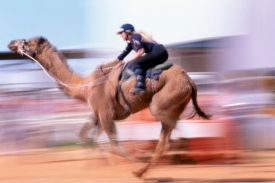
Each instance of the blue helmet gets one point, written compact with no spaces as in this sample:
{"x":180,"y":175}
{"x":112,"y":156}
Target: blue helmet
{"x":126,"y":28}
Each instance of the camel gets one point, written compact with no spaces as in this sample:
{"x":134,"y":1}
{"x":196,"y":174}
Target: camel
{"x":166,"y":97}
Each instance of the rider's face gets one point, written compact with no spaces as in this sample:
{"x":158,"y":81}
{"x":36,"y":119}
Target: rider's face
{"x":124,"y":36}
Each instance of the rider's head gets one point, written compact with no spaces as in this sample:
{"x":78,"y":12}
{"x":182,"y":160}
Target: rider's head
{"x":128,"y":28}
{"x":125,"y":30}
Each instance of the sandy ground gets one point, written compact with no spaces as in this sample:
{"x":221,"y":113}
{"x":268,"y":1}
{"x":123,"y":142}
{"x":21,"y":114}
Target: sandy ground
{"x":86,"y":166}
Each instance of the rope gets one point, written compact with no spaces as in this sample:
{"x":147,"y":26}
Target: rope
{"x":50,"y":76}
{"x":98,"y":81}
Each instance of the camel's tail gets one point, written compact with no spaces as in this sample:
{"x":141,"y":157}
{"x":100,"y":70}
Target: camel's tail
{"x":197,"y":109}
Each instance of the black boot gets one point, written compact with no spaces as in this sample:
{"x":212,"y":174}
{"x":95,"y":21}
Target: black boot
{"x":140,"y":82}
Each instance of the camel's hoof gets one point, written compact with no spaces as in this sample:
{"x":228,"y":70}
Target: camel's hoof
{"x":137,"y":173}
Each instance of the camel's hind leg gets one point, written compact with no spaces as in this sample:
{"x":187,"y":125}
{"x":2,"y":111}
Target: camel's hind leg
{"x":167,"y":110}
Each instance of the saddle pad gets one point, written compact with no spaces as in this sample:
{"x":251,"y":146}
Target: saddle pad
{"x":152,"y":73}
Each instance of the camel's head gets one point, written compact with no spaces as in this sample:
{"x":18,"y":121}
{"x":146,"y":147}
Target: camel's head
{"x":29,"y":47}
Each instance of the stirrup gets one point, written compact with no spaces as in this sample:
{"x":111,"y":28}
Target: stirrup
{"x":136,"y":90}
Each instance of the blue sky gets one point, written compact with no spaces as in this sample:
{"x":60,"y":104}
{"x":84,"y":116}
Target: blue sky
{"x":61,"y":21}
{"x":67,"y":23}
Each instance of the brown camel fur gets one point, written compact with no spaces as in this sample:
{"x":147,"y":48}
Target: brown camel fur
{"x":170,"y":95}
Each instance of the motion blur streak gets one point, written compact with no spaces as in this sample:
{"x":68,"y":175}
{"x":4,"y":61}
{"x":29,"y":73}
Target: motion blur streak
{"x":235,"y":77}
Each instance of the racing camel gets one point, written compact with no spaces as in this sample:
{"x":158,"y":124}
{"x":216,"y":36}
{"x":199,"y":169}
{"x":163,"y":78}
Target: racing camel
{"x":166,"y":97}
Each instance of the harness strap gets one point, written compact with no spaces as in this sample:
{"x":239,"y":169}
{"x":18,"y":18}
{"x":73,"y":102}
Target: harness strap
{"x":120,"y":91}
{"x":151,"y":82}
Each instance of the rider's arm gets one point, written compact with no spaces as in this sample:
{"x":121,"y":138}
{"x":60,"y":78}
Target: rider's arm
{"x":125,"y":52}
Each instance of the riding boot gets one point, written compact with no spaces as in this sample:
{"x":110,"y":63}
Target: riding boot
{"x":140,"y":82}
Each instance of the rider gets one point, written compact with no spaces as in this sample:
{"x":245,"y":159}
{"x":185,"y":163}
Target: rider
{"x":149,"y":53}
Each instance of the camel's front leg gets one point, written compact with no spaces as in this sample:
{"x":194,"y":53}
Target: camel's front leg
{"x":108,"y":125}
{"x":162,"y":146}
{"x":92,"y":124}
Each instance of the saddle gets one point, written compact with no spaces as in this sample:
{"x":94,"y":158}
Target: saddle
{"x":127,"y":72}
{"x":153,"y":73}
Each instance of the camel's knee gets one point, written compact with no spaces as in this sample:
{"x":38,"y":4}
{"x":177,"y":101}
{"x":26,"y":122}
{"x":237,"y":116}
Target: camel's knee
{"x":167,"y":146}
{"x":83,"y":132}
{"x":161,"y":148}
{"x":85,"y":128}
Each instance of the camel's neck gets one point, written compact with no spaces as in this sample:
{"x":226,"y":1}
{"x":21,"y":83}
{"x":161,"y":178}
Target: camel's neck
{"x":54,"y":63}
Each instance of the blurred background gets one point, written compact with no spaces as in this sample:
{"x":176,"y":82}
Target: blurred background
{"x":225,"y":46}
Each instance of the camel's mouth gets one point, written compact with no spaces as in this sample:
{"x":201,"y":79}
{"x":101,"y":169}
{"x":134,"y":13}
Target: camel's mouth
{"x":13,"y":46}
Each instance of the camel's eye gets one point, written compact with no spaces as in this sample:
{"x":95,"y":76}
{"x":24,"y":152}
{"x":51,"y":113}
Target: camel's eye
{"x":26,"y":43}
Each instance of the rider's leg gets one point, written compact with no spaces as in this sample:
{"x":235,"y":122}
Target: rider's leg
{"x":145,"y":62}
{"x":140,"y":81}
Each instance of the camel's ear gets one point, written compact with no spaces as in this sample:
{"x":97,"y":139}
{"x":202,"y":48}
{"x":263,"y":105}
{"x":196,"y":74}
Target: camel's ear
{"x":41,"y":40}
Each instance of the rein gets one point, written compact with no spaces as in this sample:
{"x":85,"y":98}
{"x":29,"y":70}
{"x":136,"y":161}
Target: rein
{"x":98,"y":81}
{"x":54,"y":79}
